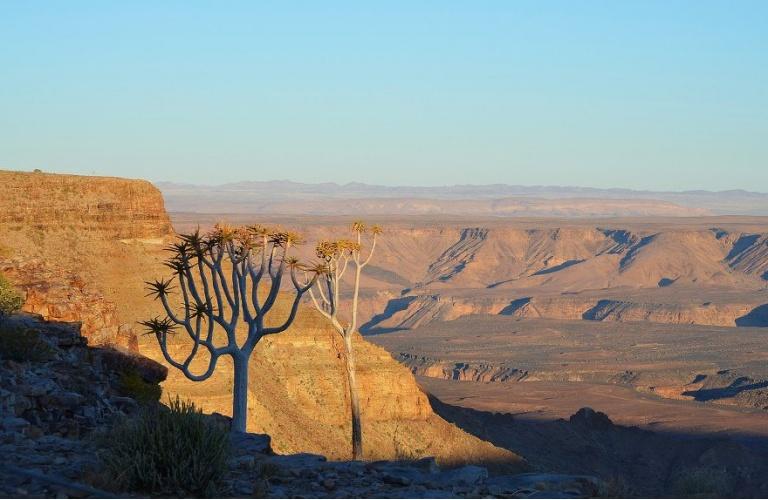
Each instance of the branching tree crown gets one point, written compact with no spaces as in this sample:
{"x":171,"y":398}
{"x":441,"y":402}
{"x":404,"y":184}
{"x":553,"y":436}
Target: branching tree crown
{"x":337,"y":255}
{"x":226,"y":283}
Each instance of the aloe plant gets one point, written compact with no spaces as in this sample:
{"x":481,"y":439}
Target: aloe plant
{"x":337,"y":256}
{"x":215,"y":287}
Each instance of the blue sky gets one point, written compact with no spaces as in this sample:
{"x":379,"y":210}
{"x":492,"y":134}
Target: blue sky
{"x":641,"y":94}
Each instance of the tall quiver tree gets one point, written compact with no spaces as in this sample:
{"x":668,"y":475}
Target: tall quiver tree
{"x":223,"y":287}
{"x":326,"y":293}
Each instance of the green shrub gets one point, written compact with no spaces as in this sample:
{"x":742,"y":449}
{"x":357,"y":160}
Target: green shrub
{"x":168,"y":451}
{"x":10,"y":300}
{"x":139,"y":389}
{"x":23,"y":344}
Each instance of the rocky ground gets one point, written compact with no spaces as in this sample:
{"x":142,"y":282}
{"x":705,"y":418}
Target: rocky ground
{"x":55,"y":396}
{"x":256,"y":472}
{"x":59,"y":398}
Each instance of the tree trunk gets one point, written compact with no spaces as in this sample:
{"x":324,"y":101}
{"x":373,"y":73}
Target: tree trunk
{"x":357,"y":428}
{"x":240,"y":393}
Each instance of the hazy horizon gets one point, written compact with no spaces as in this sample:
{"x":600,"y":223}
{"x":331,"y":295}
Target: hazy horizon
{"x":440,"y":186}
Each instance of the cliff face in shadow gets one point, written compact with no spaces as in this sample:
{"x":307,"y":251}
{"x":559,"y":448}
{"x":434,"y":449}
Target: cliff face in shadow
{"x":633,"y":462}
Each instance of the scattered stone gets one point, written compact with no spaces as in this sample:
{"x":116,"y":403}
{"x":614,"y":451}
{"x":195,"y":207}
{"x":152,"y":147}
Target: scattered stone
{"x":468,"y":475}
{"x":329,"y":484}
{"x":14,"y":424}
{"x":68,"y":400}
{"x":243,"y":443}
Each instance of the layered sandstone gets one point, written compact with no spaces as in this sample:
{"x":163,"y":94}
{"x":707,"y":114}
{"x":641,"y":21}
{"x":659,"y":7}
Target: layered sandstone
{"x":97,"y":207}
{"x":81,"y":248}
{"x":76,"y":247}
{"x":707,"y":271}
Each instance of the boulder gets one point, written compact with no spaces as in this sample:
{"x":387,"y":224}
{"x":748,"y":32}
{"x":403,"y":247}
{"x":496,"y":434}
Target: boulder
{"x":245,"y":443}
{"x":300,"y":461}
{"x":14,"y":424}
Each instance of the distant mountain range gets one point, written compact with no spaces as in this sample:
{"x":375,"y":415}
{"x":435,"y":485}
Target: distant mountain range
{"x":286,"y":197}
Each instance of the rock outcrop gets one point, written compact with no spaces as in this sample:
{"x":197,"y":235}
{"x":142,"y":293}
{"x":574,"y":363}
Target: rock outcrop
{"x":306,"y":475}
{"x":299,"y":398}
{"x":70,"y":242}
{"x":55,"y":397}
{"x":95,"y":207}
{"x":55,"y":391}
{"x":82,"y":254}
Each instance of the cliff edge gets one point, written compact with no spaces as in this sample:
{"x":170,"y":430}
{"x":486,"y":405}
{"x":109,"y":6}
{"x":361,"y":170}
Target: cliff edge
{"x":80,"y":248}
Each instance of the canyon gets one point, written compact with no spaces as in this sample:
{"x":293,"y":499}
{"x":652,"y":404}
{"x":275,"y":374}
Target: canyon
{"x":468,"y":320}
{"x":672,"y":309}
{"x":704,"y":271}
{"x":80,"y":250}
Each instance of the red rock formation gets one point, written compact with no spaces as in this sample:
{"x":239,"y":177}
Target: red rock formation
{"x":55,"y":230}
{"x":92,"y":206}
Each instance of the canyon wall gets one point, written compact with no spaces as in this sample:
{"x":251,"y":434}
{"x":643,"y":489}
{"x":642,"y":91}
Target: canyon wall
{"x":413,"y":311}
{"x":75,"y":246}
{"x":80,"y":249}
{"x":708,"y":271}
{"x":94,"y":207}
{"x":298,"y":395}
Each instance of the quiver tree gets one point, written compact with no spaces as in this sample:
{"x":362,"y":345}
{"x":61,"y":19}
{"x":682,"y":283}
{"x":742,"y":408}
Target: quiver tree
{"x":223,"y":287}
{"x":338,"y":256}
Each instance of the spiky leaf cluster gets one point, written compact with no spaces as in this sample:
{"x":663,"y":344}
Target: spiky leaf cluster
{"x":328,"y":250}
{"x":160,"y":327}
{"x":360,"y":227}
{"x":228,"y":280}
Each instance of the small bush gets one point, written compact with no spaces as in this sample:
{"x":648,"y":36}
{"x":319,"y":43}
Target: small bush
{"x":10,"y":300}
{"x":167,"y":451}
{"x":23,"y":344}
{"x":701,"y":483}
{"x":132,"y":385}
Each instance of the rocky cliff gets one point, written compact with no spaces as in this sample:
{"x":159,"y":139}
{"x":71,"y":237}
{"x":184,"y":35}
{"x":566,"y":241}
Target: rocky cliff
{"x":299,"y":397}
{"x":413,"y":311}
{"x":82,"y":251}
{"x":76,"y":245}
{"x":94,"y":207}
{"x":706,"y":271}
{"x":60,"y":400}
